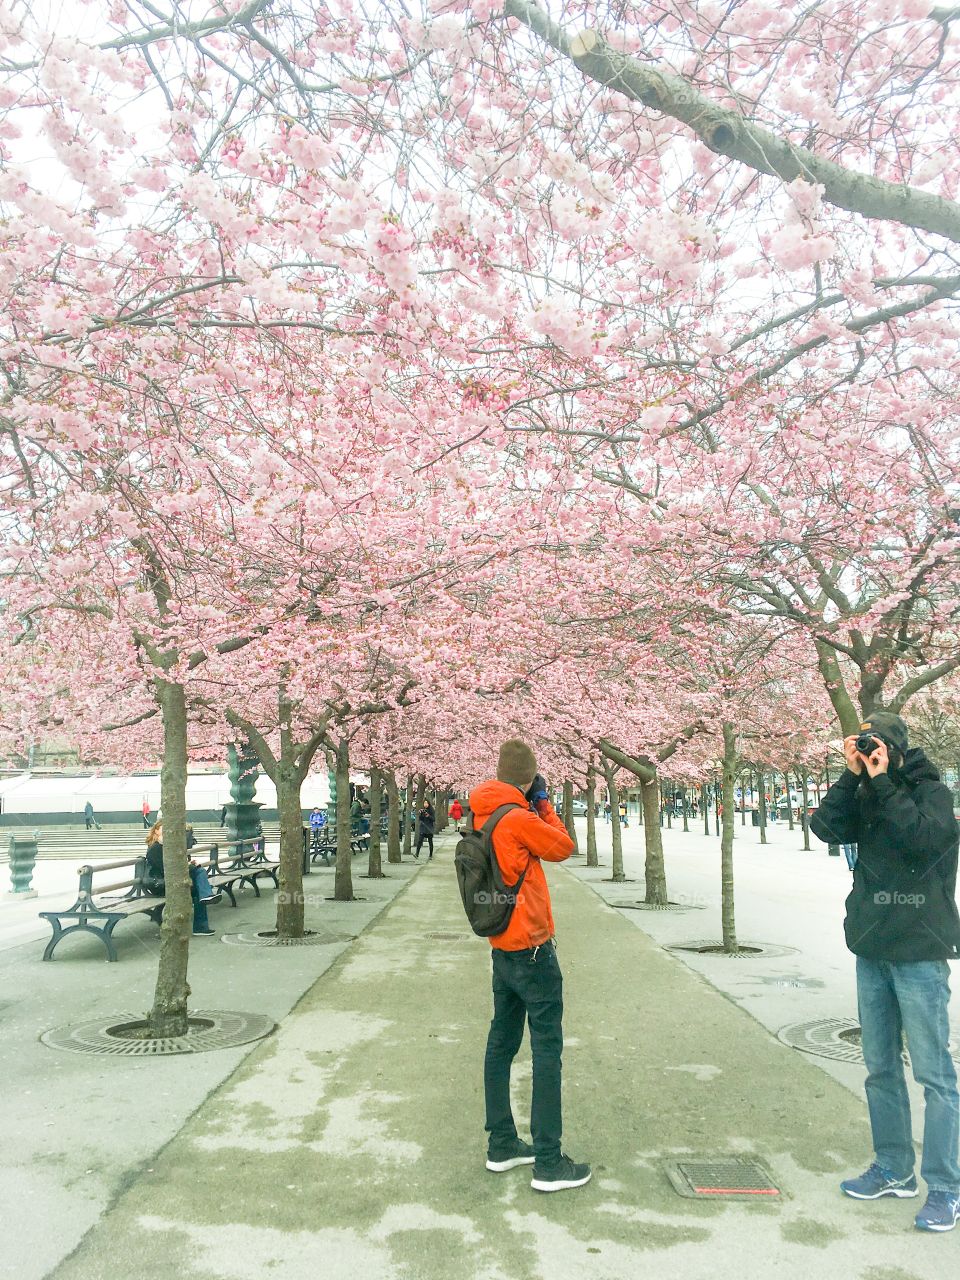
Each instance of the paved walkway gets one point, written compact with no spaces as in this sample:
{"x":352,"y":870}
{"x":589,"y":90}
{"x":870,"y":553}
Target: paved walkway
{"x":350,"y":1145}
{"x":78,"y":1129}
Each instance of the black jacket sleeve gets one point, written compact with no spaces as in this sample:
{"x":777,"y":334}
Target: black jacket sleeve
{"x":918,"y":822}
{"x":837,"y":820}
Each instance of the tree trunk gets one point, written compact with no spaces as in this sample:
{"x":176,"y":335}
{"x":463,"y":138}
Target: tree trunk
{"x":683,"y":795}
{"x":616,"y":832}
{"x":762,"y":807}
{"x":443,"y":810}
{"x":343,"y":876}
{"x":568,"y":821}
{"x":168,"y":1017}
{"x":374,"y":868}
{"x":655,"y":892}
{"x":805,"y":819}
{"x":592,"y":859}
{"x":393,"y":817}
{"x":726,"y":840}
{"x":407,"y":821}
{"x":832,"y":675}
{"x":743,"y":800}
{"x":421,"y":792}
{"x":706,"y":809}
{"x":290,"y":910}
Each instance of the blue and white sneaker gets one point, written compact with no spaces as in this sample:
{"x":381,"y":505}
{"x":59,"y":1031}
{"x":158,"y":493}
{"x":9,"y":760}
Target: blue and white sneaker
{"x":877,"y":1182}
{"x":940,"y":1213}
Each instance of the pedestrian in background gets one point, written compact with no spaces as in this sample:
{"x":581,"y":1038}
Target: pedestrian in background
{"x":456,"y":812}
{"x":88,"y":816}
{"x":426,"y":819}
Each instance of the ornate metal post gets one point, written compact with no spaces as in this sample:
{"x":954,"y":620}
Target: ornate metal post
{"x":243,"y":812}
{"x":23,"y":855}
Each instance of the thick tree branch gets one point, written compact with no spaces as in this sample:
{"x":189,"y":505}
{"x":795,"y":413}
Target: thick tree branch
{"x":727,"y":133}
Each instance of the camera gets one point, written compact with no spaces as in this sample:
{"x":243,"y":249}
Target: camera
{"x":866,"y":744}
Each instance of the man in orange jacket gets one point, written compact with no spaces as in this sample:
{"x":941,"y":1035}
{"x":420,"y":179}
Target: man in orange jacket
{"x":527,"y":983}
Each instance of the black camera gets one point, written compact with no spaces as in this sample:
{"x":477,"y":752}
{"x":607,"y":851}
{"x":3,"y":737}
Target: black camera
{"x":866,"y":744}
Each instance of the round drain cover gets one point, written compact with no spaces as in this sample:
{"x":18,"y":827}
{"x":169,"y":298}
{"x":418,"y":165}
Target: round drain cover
{"x":837,"y":1038}
{"x":120,"y":1035}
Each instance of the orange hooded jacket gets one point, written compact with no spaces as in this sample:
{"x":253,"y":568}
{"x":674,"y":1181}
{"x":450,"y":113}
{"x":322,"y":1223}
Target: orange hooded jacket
{"x":521,"y":839}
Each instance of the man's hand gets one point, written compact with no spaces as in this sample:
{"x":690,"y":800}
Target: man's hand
{"x":537,"y":790}
{"x":878,"y":761}
{"x":852,"y":755}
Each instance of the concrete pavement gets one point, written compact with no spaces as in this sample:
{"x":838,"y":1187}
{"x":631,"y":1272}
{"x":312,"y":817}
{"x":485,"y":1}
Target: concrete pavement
{"x":350,"y":1144}
{"x":77,"y":1130}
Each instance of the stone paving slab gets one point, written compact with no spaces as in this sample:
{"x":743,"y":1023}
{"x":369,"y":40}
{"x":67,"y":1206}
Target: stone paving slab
{"x":350,"y":1145}
{"x":77,"y":1130}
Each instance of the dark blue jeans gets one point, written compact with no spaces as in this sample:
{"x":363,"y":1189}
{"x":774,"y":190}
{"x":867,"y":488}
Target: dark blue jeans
{"x":527,"y":987}
{"x":910,"y":999}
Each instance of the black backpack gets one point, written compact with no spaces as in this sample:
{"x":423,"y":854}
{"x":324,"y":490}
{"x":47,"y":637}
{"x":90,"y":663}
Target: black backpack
{"x":487,"y":900}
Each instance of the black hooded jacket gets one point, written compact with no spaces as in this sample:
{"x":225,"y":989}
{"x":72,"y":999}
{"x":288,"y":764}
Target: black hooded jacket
{"x":902,"y":906}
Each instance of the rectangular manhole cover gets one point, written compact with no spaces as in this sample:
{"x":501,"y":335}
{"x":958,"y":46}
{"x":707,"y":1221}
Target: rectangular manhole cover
{"x":730,"y":1178}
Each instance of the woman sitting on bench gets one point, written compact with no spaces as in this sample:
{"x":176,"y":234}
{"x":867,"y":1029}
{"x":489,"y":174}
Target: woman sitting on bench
{"x":201,"y":891}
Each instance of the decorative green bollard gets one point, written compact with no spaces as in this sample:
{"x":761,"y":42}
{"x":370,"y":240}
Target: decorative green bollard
{"x":243,"y":812}
{"x":23,"y":856}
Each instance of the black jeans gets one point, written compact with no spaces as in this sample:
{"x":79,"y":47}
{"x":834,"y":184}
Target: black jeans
{"x":428,"y":836}
{"x":527,"y":986}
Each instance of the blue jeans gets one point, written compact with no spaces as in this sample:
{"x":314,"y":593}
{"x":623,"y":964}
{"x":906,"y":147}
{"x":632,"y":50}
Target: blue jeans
{"x":910,"y":999}
{"x":850,"y":853}
{"x":527,"y":988}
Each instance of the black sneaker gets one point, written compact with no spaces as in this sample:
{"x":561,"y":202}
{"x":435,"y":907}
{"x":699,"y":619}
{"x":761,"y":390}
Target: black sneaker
{"x":560,"y":1176}
{"x":500,"y":1159}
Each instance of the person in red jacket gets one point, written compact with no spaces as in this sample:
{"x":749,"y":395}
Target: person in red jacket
{"x":456,"y":813}
{"x":527,"y":983}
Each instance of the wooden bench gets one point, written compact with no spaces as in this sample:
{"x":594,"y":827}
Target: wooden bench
{"x":95,"y":912}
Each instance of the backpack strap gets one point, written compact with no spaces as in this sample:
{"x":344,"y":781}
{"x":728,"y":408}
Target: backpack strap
{"x":487,"y":830}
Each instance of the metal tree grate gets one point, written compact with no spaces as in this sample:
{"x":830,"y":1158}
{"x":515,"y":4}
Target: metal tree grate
{"x":312,"y":938}
{"x":711,"y":946}
{"x":652,"y":906}
{"x":120,"y":1035}
{"x":725,"y":1178}
{"x":837,"y":1038}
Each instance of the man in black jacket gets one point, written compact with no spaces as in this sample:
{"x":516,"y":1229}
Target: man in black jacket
{"x":902,"y":925}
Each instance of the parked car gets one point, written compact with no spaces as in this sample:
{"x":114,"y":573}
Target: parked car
{"x":579,"y":809}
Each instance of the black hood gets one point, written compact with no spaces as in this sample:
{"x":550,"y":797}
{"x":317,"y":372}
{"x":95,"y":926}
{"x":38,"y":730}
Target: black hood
{"x":917,"y":768}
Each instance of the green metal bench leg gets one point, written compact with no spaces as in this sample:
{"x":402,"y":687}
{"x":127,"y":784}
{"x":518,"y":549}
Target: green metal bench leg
{"x":104,"y":934}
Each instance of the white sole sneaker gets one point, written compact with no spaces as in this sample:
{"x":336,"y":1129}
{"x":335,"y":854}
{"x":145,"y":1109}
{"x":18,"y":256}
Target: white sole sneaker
{"x":563,"y":1184}
{"x":901,"y":1193}
{"x":501,"y":1166}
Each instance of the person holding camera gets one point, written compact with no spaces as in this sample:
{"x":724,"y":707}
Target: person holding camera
{"x":902,"y":924}
{"x":527,"y":983}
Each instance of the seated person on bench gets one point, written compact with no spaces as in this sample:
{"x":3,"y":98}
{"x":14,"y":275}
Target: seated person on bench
{"x":201,"y":891}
